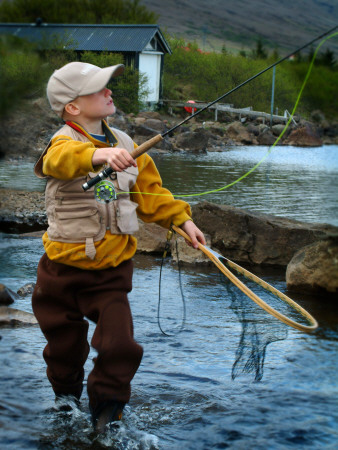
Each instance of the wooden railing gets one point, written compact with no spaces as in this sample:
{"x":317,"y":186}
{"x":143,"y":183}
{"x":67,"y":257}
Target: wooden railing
{"x":247,"y":112}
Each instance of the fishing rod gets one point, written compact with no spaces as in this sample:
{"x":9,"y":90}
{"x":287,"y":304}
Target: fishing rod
{"x":143,"y":148}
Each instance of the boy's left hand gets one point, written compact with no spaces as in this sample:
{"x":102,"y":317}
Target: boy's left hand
{"x":194,"y":233}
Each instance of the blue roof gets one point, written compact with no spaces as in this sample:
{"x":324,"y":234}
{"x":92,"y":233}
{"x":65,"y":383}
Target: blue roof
{"x":113,"y":38}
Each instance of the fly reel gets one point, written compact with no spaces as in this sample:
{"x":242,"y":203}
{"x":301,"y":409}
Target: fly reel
{"x":104,"y":192}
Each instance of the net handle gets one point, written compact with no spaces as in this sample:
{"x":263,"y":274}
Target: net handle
{"x":252,"y":295}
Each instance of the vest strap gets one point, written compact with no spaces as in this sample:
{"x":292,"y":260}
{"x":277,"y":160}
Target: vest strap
{"x":90,"y":248}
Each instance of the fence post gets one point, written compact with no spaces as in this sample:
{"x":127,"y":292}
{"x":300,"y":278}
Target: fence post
{"x":272,"y":93}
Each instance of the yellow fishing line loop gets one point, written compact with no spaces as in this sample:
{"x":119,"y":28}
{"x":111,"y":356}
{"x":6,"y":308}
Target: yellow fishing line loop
{"x":270,"y":149}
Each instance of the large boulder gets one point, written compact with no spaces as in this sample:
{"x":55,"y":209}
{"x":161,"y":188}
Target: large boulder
{"x":304,"y":136}
{"x":314,"y":268}
{"x":192,"y":140}
{"x":15,"y":317}
{"x":238,"y":133}
{"x":151,"y":238}
{"x":255,"y":238}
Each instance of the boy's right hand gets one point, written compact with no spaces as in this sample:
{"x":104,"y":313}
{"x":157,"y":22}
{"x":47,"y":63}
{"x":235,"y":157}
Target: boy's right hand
{"x":119,"y":159}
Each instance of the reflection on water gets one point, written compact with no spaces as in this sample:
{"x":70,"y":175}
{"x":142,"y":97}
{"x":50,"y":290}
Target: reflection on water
{"x":299,"y":183}
{"x":19,"y":175}
{"x":184,"y":394}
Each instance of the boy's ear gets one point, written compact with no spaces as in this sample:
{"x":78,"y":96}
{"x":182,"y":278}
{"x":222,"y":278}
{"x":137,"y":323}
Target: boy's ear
{"x":72,"y":109}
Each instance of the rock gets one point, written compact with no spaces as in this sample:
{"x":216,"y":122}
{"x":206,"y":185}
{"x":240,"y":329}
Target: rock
{"x":255,"y":238}
{"x":139,"y":120}
{"x":26,"y":289}
{"x":314,"y":268}
{"x":151,"y":238}
{"x":187,"y":254}
{"x":155,"y":124}
{"x":304,"y":136}
{"x":266,"y":138}
{"x":7,"y":296}
{"x":277,"y":129}
{"x":15,"y":317}
{"x":142,"y":130}
{"x":215,"y":128}
{"x":263,"y":128}
{"x":254,"y":129}
{"x":238,"y":132}
{"x":192,"y":140}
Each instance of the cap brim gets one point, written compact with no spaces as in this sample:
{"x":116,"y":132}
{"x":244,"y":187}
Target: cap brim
{"x":101,"y":79}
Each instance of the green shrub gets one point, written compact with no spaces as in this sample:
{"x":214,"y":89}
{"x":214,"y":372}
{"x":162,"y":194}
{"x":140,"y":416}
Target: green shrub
{"x":22,"y":72}
{"x":190,"y":74}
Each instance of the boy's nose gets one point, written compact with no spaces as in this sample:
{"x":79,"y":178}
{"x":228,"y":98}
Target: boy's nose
{"x":108,"y":92}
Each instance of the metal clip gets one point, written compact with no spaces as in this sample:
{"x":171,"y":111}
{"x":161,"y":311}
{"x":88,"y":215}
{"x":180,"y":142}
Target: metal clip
{"x":167,"y":244}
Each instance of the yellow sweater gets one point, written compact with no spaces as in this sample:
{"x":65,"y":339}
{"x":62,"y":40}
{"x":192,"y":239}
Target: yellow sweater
{"x":69,"y":159}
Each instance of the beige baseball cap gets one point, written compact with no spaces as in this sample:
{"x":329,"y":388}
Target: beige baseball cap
{"x":75,"y":79}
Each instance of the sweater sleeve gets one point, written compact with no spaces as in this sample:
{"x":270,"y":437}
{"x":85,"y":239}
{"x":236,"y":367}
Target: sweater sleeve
{"x":67,"y":159}
{"x":155,"y":203}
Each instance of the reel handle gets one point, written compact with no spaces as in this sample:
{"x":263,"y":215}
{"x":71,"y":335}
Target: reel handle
{"x":143,"y":148}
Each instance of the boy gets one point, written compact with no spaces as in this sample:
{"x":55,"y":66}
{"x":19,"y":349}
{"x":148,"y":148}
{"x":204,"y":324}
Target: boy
{"x":87,"y":268}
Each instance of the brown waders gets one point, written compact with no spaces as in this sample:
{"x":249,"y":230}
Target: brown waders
{"x":63,"y":296}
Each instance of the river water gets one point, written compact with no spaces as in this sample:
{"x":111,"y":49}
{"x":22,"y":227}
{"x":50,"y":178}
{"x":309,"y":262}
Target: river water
{"x":214,"y":384}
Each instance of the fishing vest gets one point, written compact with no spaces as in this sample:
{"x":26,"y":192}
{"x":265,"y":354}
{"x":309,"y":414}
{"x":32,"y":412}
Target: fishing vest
{"x":75,"y":216}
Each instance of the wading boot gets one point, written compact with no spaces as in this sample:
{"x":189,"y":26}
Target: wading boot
{"x":108,"y":413}
{"x":66,"y":402}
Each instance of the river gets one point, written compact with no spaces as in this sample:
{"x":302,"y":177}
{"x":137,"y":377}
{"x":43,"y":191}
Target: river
{"x":191,"y":390}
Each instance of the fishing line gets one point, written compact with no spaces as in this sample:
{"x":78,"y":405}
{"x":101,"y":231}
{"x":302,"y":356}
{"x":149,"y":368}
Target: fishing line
{"x":181,"y":327}
{"x":270,"y":149}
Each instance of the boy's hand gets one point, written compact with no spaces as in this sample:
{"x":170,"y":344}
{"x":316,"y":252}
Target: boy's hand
{"x":119,"y":159}
{"x":194,"y":233}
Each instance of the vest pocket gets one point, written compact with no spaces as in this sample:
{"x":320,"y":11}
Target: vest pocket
{"x":77,"y":223}
{"x":126,"y":217}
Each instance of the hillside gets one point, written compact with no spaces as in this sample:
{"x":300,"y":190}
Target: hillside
{"x":281,"y":24}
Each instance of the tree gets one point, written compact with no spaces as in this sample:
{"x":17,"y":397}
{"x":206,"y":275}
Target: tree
{"x":327,"y":59}
{"x":259,"y":52}
{"x":76,"y":11}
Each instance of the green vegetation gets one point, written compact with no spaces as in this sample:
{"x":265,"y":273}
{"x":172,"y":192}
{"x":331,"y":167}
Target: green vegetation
{"x":22,"y":72}
{"x":190,"y":74}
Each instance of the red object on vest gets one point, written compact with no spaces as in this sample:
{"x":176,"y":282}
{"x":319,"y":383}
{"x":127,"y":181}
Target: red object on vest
{"x":189,"y":109}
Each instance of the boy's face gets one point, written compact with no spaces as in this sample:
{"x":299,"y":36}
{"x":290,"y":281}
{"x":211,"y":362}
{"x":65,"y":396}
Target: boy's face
{"x":96,"y":106}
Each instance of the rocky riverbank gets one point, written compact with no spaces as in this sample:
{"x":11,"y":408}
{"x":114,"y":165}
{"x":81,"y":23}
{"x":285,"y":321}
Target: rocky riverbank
{"x":248,"y":238}
{"x":27,"y":131}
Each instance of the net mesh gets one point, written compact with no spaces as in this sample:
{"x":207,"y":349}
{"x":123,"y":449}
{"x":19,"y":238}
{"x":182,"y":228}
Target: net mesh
{"x":259,"y":329}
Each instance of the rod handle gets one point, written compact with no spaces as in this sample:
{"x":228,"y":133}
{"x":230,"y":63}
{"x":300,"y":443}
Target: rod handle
{"x":143,"y":148}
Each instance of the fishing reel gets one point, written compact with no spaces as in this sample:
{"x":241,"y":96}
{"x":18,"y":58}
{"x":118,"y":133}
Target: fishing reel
{"x":104,"y":192}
